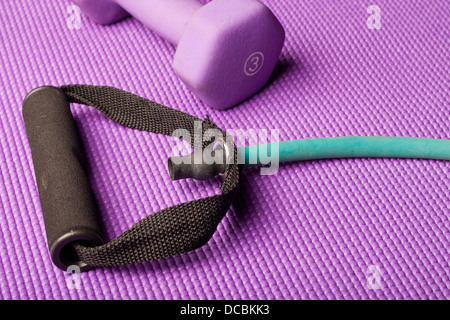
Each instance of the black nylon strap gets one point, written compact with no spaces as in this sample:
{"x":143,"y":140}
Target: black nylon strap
{"x":178,"y":229}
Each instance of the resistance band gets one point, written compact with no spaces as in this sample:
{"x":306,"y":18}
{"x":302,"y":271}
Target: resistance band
{"x":70,"y":212}
{"x":350,"y":147}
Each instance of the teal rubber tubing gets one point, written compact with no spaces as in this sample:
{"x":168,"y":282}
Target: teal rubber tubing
{"x":347,"y":147}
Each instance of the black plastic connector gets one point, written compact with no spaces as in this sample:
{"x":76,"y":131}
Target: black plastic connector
{"x":195,"y":166}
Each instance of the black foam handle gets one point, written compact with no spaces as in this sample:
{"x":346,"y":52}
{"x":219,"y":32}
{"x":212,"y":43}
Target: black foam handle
{"x":68,"y":204}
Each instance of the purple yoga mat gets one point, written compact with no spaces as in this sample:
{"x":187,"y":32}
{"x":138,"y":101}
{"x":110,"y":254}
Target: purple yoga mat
{"x":329,"y":229}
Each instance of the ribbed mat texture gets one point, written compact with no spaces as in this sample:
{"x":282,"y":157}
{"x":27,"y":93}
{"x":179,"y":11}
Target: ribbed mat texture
{"x":329,"y":229}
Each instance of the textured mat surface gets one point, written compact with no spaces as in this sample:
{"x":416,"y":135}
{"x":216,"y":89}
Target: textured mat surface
{"x":314,"y":230}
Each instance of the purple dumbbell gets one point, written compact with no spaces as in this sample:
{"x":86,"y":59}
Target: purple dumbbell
{"x":226,"y":49}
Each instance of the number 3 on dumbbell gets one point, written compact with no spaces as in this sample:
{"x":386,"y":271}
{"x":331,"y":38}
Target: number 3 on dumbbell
{"x":254,"y":63}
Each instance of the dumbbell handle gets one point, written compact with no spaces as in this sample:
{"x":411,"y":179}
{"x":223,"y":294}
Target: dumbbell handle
{"x":165,"y":17}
